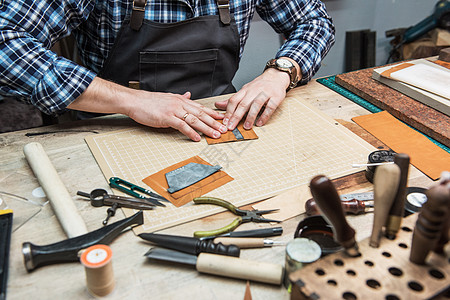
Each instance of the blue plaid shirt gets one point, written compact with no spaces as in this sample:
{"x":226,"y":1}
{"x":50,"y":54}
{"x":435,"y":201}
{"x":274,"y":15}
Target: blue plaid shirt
{"x":29,"y":28}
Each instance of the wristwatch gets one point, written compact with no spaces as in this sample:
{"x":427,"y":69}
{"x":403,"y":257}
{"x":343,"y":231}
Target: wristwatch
{"x":284,"y":65}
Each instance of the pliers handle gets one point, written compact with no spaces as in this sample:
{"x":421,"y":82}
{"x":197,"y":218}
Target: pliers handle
{"x":243,"y":216}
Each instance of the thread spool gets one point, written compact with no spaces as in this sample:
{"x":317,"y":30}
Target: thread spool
{"x":379,"y":156}
{"x":98,"y":267}
{"x":300,"y":252}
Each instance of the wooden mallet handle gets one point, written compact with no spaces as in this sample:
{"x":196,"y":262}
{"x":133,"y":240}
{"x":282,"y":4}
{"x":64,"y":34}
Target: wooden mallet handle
{"x":56,"y":192}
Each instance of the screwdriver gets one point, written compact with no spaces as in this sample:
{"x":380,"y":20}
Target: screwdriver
{"x":352,"y":206}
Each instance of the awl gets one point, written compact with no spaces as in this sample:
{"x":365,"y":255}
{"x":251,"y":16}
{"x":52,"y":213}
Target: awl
{"x":223,"y":265}
{"x":327,"y":198}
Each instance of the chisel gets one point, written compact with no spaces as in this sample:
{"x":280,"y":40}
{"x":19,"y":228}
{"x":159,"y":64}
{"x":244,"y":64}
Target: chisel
{"x":223,"y":265}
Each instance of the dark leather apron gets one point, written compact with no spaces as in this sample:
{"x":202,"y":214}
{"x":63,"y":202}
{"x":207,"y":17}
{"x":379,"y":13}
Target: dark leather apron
{"x":200,"y":55}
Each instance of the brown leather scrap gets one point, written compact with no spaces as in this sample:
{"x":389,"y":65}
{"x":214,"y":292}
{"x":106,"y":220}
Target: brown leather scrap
{"x":159,"y":184}
{"x":229,"y":136}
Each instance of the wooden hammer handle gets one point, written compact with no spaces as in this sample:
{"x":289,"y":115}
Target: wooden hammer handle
{"x":56,"y":192}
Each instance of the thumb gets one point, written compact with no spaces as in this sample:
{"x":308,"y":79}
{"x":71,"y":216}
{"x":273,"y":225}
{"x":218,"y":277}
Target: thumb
{"x":187,"y":95}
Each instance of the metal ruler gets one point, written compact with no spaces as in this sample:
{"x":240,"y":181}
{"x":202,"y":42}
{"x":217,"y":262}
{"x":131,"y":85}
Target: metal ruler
{"x":330,"y":83}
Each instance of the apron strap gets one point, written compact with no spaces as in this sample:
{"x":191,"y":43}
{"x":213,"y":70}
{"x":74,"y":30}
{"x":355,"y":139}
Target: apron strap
{"x":137,"y":14}
{"x":224,"y":11}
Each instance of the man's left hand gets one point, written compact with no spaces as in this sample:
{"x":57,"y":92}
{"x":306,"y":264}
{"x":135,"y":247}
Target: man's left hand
{"x":266,"y":92}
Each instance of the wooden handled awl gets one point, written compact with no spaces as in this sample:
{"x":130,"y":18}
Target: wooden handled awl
{"x":430,"y":223}
{"x":56,"y":192}
{"x":385,"y":185}
{"x":394,"y":220}
{"x":327,"y":198}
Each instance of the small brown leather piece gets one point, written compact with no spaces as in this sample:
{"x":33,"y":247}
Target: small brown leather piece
{"x":159,"y":184}
{"x":137,"y":14}
{"x":229,"y":136}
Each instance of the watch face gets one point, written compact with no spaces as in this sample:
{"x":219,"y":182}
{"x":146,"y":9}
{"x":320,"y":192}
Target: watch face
{"x":283,"y":63}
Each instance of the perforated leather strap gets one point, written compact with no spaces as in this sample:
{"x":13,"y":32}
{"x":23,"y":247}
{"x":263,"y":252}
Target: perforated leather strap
{"x":224,"y":11}
{"x":137,"y":14}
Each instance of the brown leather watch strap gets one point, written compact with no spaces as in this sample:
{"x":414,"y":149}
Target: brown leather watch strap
{"x":224,"y":11}
{"x":137,"y":14}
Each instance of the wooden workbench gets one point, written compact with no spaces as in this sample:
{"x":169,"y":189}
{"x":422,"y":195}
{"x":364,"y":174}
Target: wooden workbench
{"x":136,"y":278}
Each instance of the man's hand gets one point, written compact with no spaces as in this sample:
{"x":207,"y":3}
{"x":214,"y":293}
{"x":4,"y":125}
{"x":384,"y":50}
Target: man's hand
{"x":266,"y":92}
{"x":161,"y":110}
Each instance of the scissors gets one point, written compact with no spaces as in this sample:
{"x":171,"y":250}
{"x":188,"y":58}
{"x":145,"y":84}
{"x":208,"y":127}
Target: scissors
{"x":130,"y":189}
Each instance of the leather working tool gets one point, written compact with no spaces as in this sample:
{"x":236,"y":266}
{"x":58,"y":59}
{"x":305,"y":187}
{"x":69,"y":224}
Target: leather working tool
{"x":245,"y":243}
{"x":57,"y":194}
{"x":263,"y":232}
{"x":68,"y":250}
{"x":244,"y":216}
{"x":190,"y":245}
{"x":132,"y":190}
{"x":431,"y":222}
{"x":223,"y":265}
{"x":394,"y":220}
{"x":327,"y":198}
{"x":100,"y":197}
{"x":6,"y":221}
{"x":385,"y":185}
{"x":353,"y":206}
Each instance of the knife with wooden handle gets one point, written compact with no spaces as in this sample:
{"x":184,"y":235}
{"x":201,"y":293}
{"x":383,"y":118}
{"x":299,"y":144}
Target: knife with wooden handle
{"x":329,"y":203}
{"x":221,"y":265}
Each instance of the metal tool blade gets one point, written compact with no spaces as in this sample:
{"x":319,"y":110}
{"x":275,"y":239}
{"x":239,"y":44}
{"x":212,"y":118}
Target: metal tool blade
{"x":237,"y":134}
{"x":187,"y":175}
{"x":172,"y":256}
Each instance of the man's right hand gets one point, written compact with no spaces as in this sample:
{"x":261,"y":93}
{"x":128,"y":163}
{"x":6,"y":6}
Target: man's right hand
{"x":160,"y":110}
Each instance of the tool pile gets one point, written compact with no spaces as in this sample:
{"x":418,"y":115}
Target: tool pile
{"x":314,"y":258}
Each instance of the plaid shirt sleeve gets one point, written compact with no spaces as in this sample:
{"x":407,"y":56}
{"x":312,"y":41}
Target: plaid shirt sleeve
{"x":29,"y":70}
{"x":307,"y":27}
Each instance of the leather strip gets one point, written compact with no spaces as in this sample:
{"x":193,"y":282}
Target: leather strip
{"x":137,"y":14}
{"x":224,"y":11}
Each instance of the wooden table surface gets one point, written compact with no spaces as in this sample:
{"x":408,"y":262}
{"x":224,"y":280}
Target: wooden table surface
{"x":136,"y":278}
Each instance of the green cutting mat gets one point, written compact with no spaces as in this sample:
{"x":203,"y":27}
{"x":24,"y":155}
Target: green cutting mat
{"x":330,"y":83}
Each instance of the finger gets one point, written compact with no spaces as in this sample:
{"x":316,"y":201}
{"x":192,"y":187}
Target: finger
{"x":254,"y":110}
{"x":199,"y":107}
{"x":180,"y":125}
{"x":187,"y":95}
{"x":232,"y":104}
{"x":221,"y":104}
{"x":197,"y":124}
{"x":203,"y":116}
{"x":267,"y":113}
{"x":241,"y":109}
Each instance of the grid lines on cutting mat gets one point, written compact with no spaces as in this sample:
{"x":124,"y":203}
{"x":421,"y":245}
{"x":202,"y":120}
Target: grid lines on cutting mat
{"x":298,"y":143}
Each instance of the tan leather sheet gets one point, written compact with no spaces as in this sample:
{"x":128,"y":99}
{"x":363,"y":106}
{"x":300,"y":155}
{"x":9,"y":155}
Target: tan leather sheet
{"x":158,"y":182}
{"x":424,"y":154}
{"x":229,"y":136}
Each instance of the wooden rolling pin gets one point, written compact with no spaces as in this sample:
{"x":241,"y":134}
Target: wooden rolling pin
{"x":56,"y":192}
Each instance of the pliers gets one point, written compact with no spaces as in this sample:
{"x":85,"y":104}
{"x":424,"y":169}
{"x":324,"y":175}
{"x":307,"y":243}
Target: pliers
{"x":244,"y":216}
